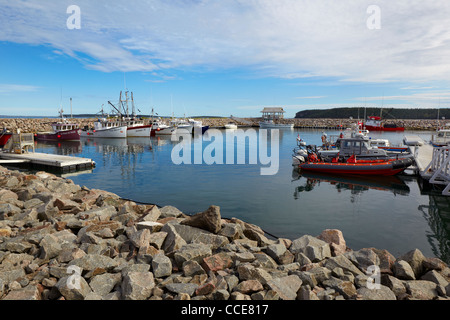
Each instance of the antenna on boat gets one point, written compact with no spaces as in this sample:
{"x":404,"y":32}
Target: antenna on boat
{"x":71,"y":108}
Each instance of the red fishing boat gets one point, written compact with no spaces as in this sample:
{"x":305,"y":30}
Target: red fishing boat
{"x":376,"y":124}
{"x":62,"y":130}
{"x":4,"y":137}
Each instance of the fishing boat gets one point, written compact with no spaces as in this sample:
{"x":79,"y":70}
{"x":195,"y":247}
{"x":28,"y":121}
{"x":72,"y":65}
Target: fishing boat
{"x":374,"y":123}
{"x":441,"y":138}
{"x":160,"y":128}
{"x":106,"y":128}
{"x":61,"y":131}
{"x":183,"y":125}
{"x":231,"y":126}
{"x":198,"y":125}
{"x":4,"y":137}
{"x":135,"y":127}
{"x":385,"y":144}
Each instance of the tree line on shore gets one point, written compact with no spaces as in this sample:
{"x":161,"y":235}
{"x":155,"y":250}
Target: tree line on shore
{"x":385,"y":113}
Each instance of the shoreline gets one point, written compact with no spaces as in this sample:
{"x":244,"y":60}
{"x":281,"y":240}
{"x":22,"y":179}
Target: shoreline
{"x":33,"y":125}
{"x":62,"y":241}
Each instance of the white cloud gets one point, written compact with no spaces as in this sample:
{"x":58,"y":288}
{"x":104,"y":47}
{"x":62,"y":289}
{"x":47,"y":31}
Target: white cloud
{"x":7,"y":88}
{"x":286,"y":38}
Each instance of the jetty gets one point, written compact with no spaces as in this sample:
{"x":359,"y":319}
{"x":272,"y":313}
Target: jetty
{"x":432,"y":163}
{"x":20,"y":150}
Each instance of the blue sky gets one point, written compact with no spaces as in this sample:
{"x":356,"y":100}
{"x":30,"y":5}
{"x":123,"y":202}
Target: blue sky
{"x":221,"y":58}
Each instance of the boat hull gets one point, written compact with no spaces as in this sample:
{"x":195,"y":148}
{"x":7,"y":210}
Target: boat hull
{"x":385,"y":168}
{"x":163,"y":131}
{"x":114,"y":132}
{"x":139,"y":131}
{"x":59,"y":136}
{"x":265,"y":125}
{"x":4,"y":139}
{"x":374,"y":128}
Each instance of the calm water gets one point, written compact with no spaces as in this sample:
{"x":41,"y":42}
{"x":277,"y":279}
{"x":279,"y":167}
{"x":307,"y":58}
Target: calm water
{"x":386,"y":213}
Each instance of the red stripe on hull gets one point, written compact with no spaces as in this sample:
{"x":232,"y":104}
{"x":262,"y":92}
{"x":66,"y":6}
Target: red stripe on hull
{"x":370,"y":128}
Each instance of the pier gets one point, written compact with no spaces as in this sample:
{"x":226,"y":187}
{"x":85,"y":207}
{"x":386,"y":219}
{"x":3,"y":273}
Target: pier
{"x":17,"y":151}
{"x":432,"y":163}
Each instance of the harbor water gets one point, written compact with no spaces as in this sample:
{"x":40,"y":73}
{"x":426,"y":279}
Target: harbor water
{"x":391,"y":213}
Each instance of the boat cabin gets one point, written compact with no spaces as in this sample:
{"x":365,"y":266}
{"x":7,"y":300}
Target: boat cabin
{"x":64,"y":126}
{"x":357,"y":145}
{"x":442,"y":138}
{"x":270,"y":114}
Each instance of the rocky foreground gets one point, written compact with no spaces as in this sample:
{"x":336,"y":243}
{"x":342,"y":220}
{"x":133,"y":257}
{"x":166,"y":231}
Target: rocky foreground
{"x":62,"y":241}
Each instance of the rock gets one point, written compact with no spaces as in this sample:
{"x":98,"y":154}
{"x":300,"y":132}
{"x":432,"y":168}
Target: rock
{"x":286,"y":287}
{"x":335,"y":239}
{"x":415,"y":258}
{"x":178,"y":288}
{"x":218,"y":261}
{"x":161,"y":266}
{"x":213,"y":240}
{"x":421,"y":289}
{"x":315,"y":249}
{"x":140,"y":238}
{"x":403,"y":270}
{"x":305,"y":293}
{"x":30,"y":292}
{"x":346,"y":288}
{"x":387,"y":260}
{"x":50,"y":247}
{"x":152,"y":226}
{"x":103,"y":284}
{"x":192,"y":268}
{"x":73,"y":288}
{"x":137,"y":285}
{"x":435,"y":277}
{"x":90,"y":262}
{"x":209,"y":220}
{"x":173,"y":240}
{"x":151,"y":214}
{"x":249,"y":286}
{"x":170,"y":211}
{"x":366,"y":257}
{"x":394,"y":284}
{"x":383,"y":293}
{"x":342,"y":262}
{"x":193,"y":251}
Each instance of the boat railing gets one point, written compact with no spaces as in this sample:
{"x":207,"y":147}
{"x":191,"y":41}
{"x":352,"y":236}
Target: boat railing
{"x":440,"y":166}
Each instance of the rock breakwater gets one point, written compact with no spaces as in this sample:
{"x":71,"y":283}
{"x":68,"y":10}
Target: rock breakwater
{"x":34,"y":125}
{"x":62,"y":241}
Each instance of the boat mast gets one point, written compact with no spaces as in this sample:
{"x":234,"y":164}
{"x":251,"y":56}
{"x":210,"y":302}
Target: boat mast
{"x":71,"y":108}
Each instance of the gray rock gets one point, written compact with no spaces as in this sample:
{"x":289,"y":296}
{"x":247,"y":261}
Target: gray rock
{"x":50,"y":246}
{"x":341,"y":261}
{"x":415,"y":258}
{"x":366,"y":257}
{"x":178,"y":288}
{"x":30,"y":292}
{"x":152,"y":226}
{"x":394,"y":284}
{"x":315,"y":249}
{"x":421,"y":289}
{"x":305,"y":293}
{"x":137,"y":285}
{"x":383,"y":293}
{"x":170,"y":211}
{"x":213,"y":240}
{"x":90,"y":262}
{"x":209,"y":220}
{"x":435,"y":277}
{"x":286,"y":287}
{"x":103,"y":284}
{"x":346,"y":288}
{"x":140,"y":238}
{"x":161,"y":266}
{"x":193,"y":251}
{"x":73,"y":287}
{"x":173,"y":240}
{"x":403,"y":270}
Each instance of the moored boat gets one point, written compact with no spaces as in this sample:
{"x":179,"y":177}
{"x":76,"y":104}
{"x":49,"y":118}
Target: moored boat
{"x":61,"y":130}
{"x":374,"y":123}
{"x":104,"y":128}
{"x":441,"y":138}
{"x":4,"y":137}
{"x":231,"y":126}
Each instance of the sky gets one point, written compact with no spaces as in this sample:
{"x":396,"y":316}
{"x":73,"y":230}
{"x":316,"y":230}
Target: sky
{"x":222,"y":58}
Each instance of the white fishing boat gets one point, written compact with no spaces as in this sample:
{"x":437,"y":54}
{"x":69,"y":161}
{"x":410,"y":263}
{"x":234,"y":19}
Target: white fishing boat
{"x":160,"y":128}
{"x":198,"y":125}
{"x":442,"y":137}
{"x":105,"y":128}
{"x":182,"y":124}
{"x":231,"y":126}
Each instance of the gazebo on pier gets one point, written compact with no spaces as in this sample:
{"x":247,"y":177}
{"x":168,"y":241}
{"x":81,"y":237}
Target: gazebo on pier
{"x":272,"y":113}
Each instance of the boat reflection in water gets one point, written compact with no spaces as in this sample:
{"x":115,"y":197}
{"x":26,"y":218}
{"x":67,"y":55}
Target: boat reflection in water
{"x":356,"y":184}
{"x":437,"y":214}
{"x":65,"y":148}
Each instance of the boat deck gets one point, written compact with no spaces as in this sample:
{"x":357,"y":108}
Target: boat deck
{"x":60,"y":162}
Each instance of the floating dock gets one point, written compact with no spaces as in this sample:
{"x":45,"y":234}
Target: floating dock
{"x":58,"y":162}
{"x":432,"y":163}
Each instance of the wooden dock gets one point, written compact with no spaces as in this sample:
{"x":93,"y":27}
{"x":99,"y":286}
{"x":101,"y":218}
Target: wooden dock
{"x":59,"y":162}
{"x":432,"y":163}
